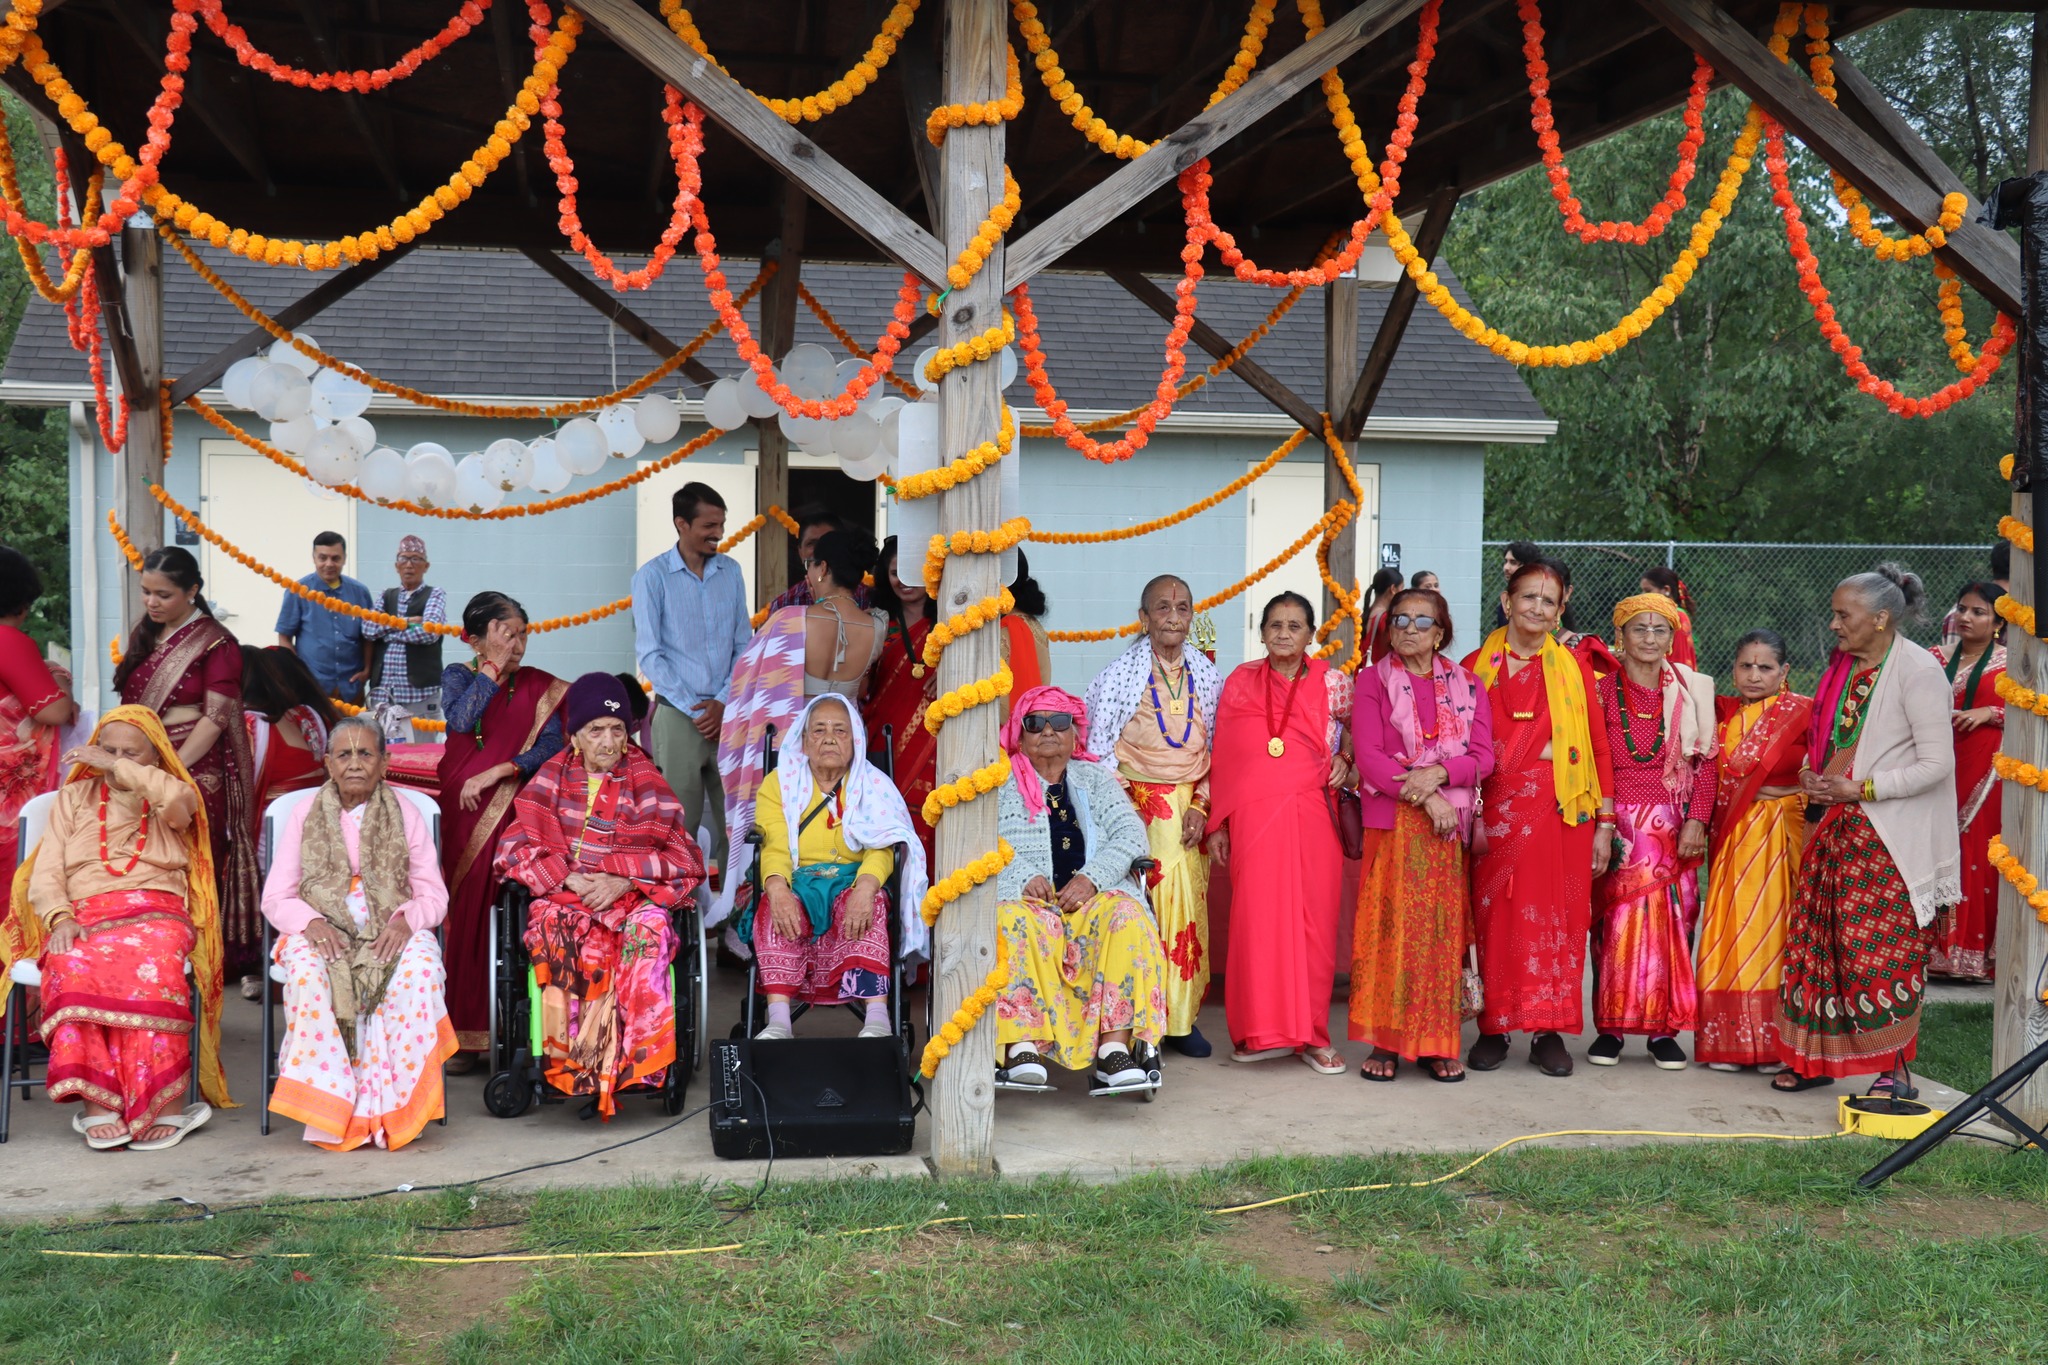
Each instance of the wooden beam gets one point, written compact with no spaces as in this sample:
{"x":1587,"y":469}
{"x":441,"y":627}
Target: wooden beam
{"x":778,"y":333}
{"x":1216,"y":344}
{"x":502,"y":39}
{"x":970,"y":409}
{"x":314,"y":17}
{"x":613,"y":307}
{"x":1340,"y":360}
{"x":1785,"y":93}
{"x":1436,"y":220}
{"x":919,"y":66}
{"x":1199,"y":136}
{"x":837,"y":190}
{"x":290,"y":317}
{"x":202,"y":93}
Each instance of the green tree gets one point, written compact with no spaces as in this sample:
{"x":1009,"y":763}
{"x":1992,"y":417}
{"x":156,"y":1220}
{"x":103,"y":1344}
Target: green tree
{"x":35,"y":502}
{"x":1731,"y":419}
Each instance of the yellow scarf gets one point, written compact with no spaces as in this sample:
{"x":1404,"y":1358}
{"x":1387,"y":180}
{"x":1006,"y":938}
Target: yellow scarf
{"x":1571,"y":722}
{"x":22,"y":934}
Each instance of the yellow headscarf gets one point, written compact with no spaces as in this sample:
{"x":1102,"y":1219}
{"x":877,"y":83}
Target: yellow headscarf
{"x":1656,"y":603}
{"x":1576,"y":777}
{"x":22,"y":934}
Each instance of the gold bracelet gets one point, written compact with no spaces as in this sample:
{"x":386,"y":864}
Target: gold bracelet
{"x":1870,"y":789}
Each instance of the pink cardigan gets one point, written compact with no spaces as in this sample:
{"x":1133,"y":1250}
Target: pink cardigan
{"x":290,"y":915}
{"x":1375,"y":741}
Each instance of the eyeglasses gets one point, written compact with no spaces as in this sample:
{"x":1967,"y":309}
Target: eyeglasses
{"x":1059,"y":722}
{"x":1655,"y":632}
{"x":1403,"y":621}
{"x":412,"y":559}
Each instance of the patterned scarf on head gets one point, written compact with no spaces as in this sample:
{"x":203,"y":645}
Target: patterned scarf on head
{"x":1030,"y":786}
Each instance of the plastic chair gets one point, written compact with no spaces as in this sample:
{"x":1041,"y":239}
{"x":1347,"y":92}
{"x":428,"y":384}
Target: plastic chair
{"x":16,"y":1066}
{"x":279,"y":810}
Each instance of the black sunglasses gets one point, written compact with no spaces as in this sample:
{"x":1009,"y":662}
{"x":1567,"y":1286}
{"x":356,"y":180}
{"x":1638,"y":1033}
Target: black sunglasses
{"x":1402,"y":620}
{"x":1056,"y":721}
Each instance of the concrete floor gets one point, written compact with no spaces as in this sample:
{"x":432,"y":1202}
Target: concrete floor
{"x":1209,"y":1113}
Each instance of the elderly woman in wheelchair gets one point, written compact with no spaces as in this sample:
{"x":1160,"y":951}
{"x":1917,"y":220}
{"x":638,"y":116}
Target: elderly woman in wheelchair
{"x":599,"y":839}
{"x":1087,"y":973}
{"x":355,"y":894}
{"x":832,"y":827}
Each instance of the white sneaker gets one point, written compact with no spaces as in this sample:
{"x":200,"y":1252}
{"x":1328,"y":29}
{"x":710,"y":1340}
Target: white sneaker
{"x":774,"y":1033}
{"x":876,"y":1028}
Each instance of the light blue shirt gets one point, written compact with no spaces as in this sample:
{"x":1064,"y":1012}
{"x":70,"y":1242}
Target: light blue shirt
{"x":689,"y":631}
{"x":330,"y":643}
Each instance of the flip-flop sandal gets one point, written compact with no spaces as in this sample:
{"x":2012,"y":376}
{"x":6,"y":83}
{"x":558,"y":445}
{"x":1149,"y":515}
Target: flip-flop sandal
{"x":83,"y":1125}
{"x":180,"y":1125}
{"x":1264,"y":1054}
{"x":1393,"y":1072}
{"x":1801,"y":1083}
{"x":1891,"y":1089}
{"x":1321,"y":1067}
{"x":1434,"y":1066}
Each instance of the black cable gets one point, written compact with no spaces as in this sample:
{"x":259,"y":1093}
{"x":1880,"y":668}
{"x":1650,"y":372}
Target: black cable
{"x":767,"y":1127}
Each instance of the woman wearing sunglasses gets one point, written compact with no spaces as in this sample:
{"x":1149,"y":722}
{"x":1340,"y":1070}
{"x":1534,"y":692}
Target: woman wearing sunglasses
{"x":1280,"y":749}
{"x":1087,"y":974}
{"x":1422,"y":727}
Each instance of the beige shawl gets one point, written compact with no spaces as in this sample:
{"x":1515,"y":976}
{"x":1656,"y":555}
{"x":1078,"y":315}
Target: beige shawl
{"x":359,"y":979}
{"x":1907,"y":749}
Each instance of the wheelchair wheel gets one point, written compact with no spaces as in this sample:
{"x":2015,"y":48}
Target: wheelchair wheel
{"x":507,"y":1095}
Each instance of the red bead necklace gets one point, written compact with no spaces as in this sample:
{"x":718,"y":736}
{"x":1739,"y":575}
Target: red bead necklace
{"x":141,"y":834}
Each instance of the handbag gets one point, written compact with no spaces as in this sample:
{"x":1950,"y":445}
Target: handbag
{"x":1347,"y":813}
{"x":1471,"y":989}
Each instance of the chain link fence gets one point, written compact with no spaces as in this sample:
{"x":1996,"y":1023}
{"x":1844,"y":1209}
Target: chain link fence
{"x":1738,"y":587}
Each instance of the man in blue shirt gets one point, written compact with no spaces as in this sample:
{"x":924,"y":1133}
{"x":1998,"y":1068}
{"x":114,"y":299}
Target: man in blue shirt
{"x":330,"y":643}
{"x":690,"y":624}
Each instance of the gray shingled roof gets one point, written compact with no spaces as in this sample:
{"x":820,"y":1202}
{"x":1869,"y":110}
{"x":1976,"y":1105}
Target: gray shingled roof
{"x":486,"y":322}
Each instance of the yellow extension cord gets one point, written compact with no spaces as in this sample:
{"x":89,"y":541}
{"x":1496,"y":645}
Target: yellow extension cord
{"x":515,"y":1257}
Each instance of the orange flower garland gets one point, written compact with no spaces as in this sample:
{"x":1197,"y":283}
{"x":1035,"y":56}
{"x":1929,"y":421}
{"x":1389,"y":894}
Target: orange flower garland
{"x":846,"y":339}
{"x":949,"y":116}
{"x":127,"y":546}
{"x":2003,"y":334}
{"x":361,"y":82}
{"x":1146,"y":528}
{"x":686,"y":143}
{"x":31,"y":257}
{"x":975,"y":254}
{"x":1635,"y":234}
{"x":810,"y":108}
{"x":83,"y":321}
{"x":1949,"y":301}
{"x":521,"y":509}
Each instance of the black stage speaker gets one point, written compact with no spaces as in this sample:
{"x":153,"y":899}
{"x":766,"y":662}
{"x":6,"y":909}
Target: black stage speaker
{"x":817,"y":1096}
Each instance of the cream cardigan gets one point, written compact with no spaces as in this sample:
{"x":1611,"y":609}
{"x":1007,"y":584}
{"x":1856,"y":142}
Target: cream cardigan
{"x":1907,"y":750}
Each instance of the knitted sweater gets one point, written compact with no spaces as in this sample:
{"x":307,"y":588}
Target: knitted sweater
{"x":1115,"y":835}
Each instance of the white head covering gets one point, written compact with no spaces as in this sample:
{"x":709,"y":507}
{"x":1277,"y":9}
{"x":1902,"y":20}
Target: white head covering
{"x":1113,"y":696}
{"x":875,"y":814}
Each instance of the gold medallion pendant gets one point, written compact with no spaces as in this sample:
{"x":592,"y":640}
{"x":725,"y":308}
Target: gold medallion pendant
{"x":1276,"y":746}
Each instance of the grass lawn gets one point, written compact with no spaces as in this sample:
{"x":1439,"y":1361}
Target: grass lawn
{"x":1724,"y":1252}
{"x":1955,"y":1045}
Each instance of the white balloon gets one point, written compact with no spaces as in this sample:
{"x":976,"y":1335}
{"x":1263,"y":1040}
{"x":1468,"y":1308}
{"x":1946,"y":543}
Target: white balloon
{"x":430,"y":480}
{"x":621,"y":436}
{"x":849,"y":370}
{"x":294,"y":436}
{"x":383,"y":475}
{"x":282,"y":353}
{"x":916,"y":520}
{"x":1006,"y":361}
{"x":474,"y":489}
{"x":278,"y":393}
{"x":581,"y":446}
{"x":805,"y":431}
{"x":656,"y":417}
{"x":509,"y":464}
{"x":917,"y":375}
{"x":880,"y":405}
{"x":549,"y":477}
{"x":869,"y":467}
{"x":360,"y":432}
{"x":757,"y":401}
{"x":809,"y":371}
{"x":338,"y":395}
{"x":234,"y":385}
{"x":856,"y":437}
{"x":331,"y":456}
{"x":725,"y":405}
{"x":424,"y":449}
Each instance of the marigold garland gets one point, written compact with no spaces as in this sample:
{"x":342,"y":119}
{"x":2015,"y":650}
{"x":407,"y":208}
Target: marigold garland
{"x":1146,"y":528}
{"x":31,"y":256}
{"x":686,"y":144}
{"x":952,"y":705}
{"x":84,"y":324}
{"x":1039,"y":44}
{"x":810,"y":108}
{"x":957,"y":884}
{"x":2015,"y":530}
{"x":1540,"y":117}
{"x":956,"y":472}
{"x":2015,"y":693}
{"x":127,"y":546}
{"x":986,"y":346}
{"x":949,"y":116}
{"x":508,"y":411}
{"x":942,"y":1043}
{"x":1949,"y":301}
{"x":846,"y":339}
{"x":2001,"y":856}
{"x":975,"y":254}
{"x":976,"y":784}
{"x":2023,"y":617}
{"x":361,"y":82}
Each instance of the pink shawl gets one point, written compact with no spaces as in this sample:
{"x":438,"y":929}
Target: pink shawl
{"x":1030,"y":786}
{"x":1456,"y":703}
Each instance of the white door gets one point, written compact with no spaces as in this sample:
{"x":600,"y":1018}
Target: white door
{"x":654,"y":521}
{"x":270,"y":514}
{"x":1282,"y":504}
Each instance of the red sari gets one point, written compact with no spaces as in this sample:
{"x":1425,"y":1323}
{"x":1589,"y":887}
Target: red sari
{"x":28,"y":752}
{"x":511,"y":724}
{"x":280,"y":768}
{"x":1286,"y":869}
{"x":897,"y":697}
{"x":1532,"y":883}
{"x":1966,"y":934}
{"x":200,"y":666}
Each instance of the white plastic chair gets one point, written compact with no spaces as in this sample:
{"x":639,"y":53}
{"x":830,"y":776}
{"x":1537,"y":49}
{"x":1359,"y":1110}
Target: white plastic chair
{"x":27,"y":975}
{"x":278,"y":811}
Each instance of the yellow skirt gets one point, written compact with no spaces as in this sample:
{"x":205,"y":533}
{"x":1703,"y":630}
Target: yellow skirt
{"x":1076,"y":977}
{"x":1180,"y":896}
{"x":1751,"y":884}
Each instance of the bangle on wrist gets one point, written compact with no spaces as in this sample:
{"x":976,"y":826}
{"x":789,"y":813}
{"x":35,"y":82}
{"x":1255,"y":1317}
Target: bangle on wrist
{"x":1870,"y":789}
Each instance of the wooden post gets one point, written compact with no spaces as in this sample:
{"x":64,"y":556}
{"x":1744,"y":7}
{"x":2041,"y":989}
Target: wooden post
{"x":1340,"y":371}
{"x":778,"y":334}
{"x":141,"y":460}
{"x":970,"y":409}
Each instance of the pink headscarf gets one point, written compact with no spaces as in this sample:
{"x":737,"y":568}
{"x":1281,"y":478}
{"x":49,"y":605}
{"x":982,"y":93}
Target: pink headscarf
{"x":1029,"y":785}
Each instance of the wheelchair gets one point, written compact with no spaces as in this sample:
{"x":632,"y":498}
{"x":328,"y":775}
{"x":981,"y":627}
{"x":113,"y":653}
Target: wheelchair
{"x":518,"y":1079}
{"x":901,"y":975}
{"x":427,"y":809}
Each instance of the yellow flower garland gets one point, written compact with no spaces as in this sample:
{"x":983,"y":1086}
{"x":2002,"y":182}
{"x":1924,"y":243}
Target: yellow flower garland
{"x":2005,"y":464}
{"x":837,"y":95}
{"x":954,"y":885}
{"x":950,"y":116}
{"x":2018,"y":532}
{"x":950,"y":476}
{"x":128,"y":550}
{"x":1146,"y":528}
{"x":950,"y":705}
{"x":2015,"y":693}
{"x":972,"y":351}
{"x":982,"y":614}
{"x":976,"y":784}
{"x":2023,"y":617}
{"x":969,"y":1014}
{"x":2026,"y":883}
{"x":975,"y":254}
